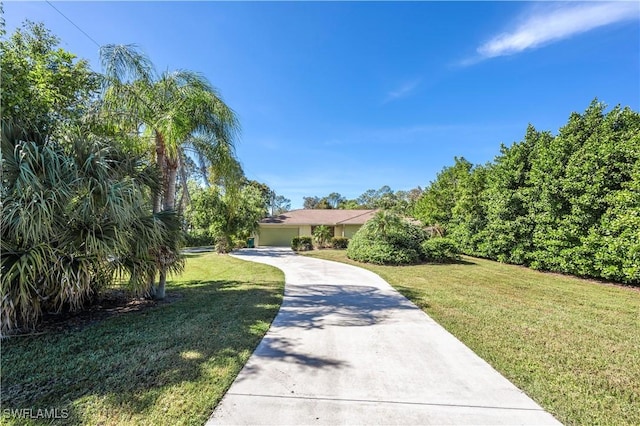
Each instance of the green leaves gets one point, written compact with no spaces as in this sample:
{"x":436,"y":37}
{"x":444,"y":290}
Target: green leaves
{"x":387,"y":239}
{"x":568,"y":203}
{"x":68,"y":219}
{"x":43,"y":87}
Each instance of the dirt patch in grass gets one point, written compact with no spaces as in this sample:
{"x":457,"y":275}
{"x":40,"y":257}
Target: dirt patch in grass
{"x":112,"y":303}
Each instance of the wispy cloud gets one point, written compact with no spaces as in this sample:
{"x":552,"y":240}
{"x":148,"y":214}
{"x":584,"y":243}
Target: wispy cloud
{"x":552,"y":23}
{"x":403,"y":91}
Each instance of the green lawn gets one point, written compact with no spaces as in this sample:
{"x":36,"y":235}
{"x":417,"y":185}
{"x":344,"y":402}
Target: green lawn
{"x":170,"y":364}
{"x":572,"y":345}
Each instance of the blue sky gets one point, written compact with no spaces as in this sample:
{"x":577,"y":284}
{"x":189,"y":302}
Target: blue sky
{"x":349,"y":96}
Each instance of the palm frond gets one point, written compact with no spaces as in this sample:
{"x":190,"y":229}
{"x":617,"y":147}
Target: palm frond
{"x":125,"y":63}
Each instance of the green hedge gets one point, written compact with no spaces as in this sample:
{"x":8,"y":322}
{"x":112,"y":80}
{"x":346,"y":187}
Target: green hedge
{"x":387,"y":239}
{"x":439,"y":249}
{"x":340,"y":243}
{"x":568,"y":202}
{"x":303,"y":243}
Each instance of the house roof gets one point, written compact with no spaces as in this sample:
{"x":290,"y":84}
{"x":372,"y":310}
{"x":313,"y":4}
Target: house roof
{"x":320,"y":217}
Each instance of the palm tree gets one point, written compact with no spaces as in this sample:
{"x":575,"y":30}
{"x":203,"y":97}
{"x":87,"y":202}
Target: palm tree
{"x":72,"y":219}
{"x":172,"y":112}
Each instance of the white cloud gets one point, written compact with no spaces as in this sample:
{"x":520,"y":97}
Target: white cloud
{"x":557,"y":22}
{"x":405,"y":90}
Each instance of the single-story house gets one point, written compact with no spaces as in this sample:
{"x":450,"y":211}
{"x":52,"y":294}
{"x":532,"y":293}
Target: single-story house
{"x":280,"y":230}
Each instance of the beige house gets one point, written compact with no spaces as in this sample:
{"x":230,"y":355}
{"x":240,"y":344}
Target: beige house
{"x":280,"y":230}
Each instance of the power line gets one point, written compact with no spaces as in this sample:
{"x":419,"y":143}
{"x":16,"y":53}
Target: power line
{"x":73,"y":23}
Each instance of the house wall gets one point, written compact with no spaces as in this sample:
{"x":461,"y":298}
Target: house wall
{"x":282,"y":235}
{"x":350,"y":230}
{"x":305,"y":230}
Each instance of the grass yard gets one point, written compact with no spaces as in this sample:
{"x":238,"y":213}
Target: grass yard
{"x":166,"y":365}
{"x":572,"y":345}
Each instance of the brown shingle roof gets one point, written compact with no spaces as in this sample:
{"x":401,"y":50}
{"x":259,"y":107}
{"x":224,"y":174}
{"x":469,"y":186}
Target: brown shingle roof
{"x":321,"y":217}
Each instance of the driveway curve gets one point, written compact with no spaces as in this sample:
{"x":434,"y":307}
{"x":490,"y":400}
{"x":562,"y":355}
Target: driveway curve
{"x":346,"y":348}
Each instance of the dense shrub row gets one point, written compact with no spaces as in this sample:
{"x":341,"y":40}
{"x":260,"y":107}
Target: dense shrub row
{"x":387,"y":239}
{"x":567,"y":203}
{"x":306,"y":243}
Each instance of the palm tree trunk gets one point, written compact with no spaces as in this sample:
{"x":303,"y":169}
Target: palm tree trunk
{"x":185,"y":197}
{"x":161,"y":161}
{"x":171,"y":175}
{"x":160,"y":290}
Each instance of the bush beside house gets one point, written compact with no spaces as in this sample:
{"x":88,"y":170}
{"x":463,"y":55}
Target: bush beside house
{"x":339,"y":243}
{"x":303,"y":243}
{"x":388,"y":239}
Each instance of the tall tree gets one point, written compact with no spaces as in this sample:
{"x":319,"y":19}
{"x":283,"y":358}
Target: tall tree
{"x":335,"y":200}
{"x":436,"y":205}
{"x":174,"y":110}
{"x":43,"y":87}
{"x":508,"y":201}
{"x":225,"y":218}
{"x":311,"y":202}
{"x":278,"y":204}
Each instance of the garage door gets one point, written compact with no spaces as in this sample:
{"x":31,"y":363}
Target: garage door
{"x":278,"y":237}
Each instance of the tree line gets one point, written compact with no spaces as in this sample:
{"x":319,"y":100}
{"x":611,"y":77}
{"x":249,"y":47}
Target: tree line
{"x":383,"y":198}
{"x":567,"y":203}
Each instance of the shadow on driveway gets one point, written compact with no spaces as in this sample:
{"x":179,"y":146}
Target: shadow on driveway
{"x":319,"y":305}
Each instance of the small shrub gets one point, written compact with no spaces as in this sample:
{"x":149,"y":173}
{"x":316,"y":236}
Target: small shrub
{"x":440,"y":249}
{"x":322,"y":234}
{"x":224,"y":244}
{"x":387,"y":239}
{"x":303,"y":243}
{"x":339,"y":243}
{"x":240,"y":243}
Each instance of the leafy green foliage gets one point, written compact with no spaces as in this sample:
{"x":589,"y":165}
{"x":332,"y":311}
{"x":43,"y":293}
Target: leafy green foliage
{"x":567,"y":203}
{"x":303,"y":243}
{"x":440,"y":249}
{"x":220,"y":217}
{"x":387,"y":239}
{"x":197,"y":238}
{"x":178,"y":111}
{"x":43,"y":87}
{"x":71,"y":222}
{"x":339,"y":243}
{"x":322,"y":234}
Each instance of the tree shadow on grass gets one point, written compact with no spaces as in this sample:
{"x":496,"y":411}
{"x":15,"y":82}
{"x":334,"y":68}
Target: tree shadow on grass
{"x":417,"y":297}
{"x":451,"y":262}
{"x":120,"y":367}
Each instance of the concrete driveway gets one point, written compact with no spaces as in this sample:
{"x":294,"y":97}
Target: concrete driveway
{"x":346,"y":348}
